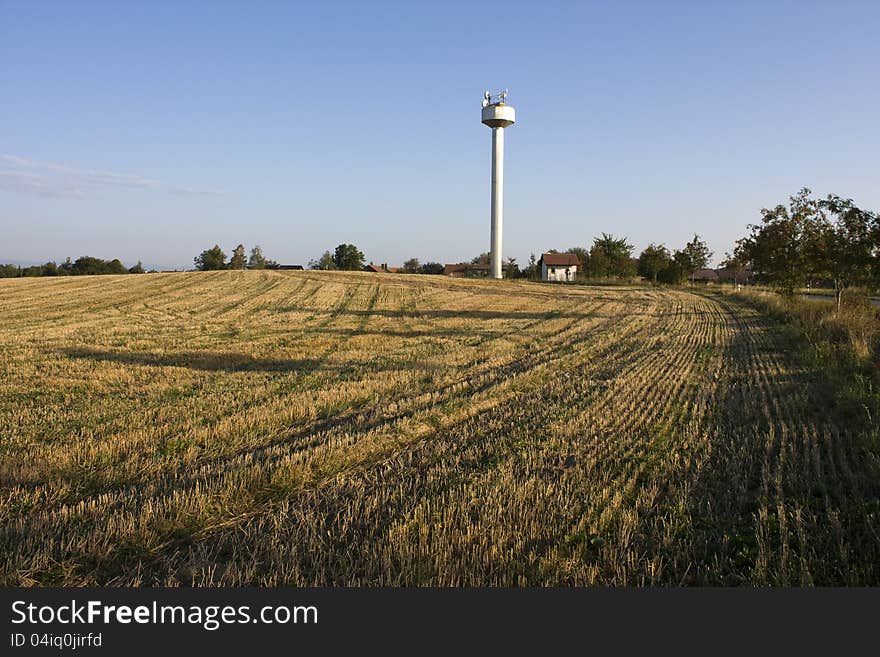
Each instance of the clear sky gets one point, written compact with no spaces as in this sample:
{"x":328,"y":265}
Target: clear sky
{"x":150,"y":132}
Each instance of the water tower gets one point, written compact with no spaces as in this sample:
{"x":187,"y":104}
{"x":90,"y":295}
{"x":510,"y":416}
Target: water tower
{"x":497,"y":114}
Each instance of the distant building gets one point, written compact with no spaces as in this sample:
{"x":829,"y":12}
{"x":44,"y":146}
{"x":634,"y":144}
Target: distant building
{"x":736,"y":275}
{"x":469,"y":270}
{"x":559,"y":266}
{"x":465,"y":270}
{"x":381,"y":269}
{"x":704,"y":276}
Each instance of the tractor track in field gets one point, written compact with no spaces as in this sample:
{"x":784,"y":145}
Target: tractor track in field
{"x":356,"y":429}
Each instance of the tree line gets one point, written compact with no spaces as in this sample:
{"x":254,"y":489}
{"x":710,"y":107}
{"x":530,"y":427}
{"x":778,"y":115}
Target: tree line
{"x":82,"y":266}
{"x":658,"y":265}
{"x":611,"y":257}
{"x":813,"y":242}
{"x":348,"y":257}
{"x":215,"y":258}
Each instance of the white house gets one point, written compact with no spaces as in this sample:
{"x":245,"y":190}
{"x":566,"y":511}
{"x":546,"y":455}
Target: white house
{"x":558,"y":266}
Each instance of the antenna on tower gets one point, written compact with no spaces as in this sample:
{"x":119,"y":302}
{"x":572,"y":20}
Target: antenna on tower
{"x":495,"y":99}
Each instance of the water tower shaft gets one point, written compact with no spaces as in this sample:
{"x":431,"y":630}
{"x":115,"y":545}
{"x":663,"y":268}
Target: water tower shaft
{"x":497,"y":115}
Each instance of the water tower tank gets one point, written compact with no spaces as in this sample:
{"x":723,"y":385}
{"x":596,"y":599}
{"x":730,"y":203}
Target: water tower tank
{"x":498,"y":115}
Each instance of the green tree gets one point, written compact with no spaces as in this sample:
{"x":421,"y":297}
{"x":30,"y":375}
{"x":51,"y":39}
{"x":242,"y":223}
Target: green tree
{"x":51,"y":268}
{"x":210,"y":260}
{"x":482,"y":259}
{"x":347,"y":257}
{"x":10,"y":271}
{"x":89,"y":265}
{"x":512,"y":269}
{"x":695,"y":255}
{"x":611,"y":257}
{"x":531,"y":270}
{"x":599,"y":264}
{"x":257,"y":260}
{"x":672,"y":274}
{"x":325,"y":262}
{"x":432,"y":268}
{"x":737,"y":265}
{"x":137,"y":269}
{"x":412,"y":266}
{"x":777,"y":247}
{"x":583,"y":256}
{"x":239,"y":258}
{"x":115,"y":266}
{"x":653,"y":260}
{"x":840,"y":245}
{"x":683,"y":261}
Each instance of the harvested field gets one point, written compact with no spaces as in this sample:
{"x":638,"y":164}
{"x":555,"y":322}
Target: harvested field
{"x":268,"y":428}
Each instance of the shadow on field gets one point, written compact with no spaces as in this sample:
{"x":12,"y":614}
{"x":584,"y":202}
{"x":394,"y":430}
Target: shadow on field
{"x":469,"y":314}
{"x":197,"y":360}
{"x":416,"y":333}
{"x":784,"y":494}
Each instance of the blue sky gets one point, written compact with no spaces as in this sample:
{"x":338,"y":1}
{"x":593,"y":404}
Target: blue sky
{"x":150,"y":132}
